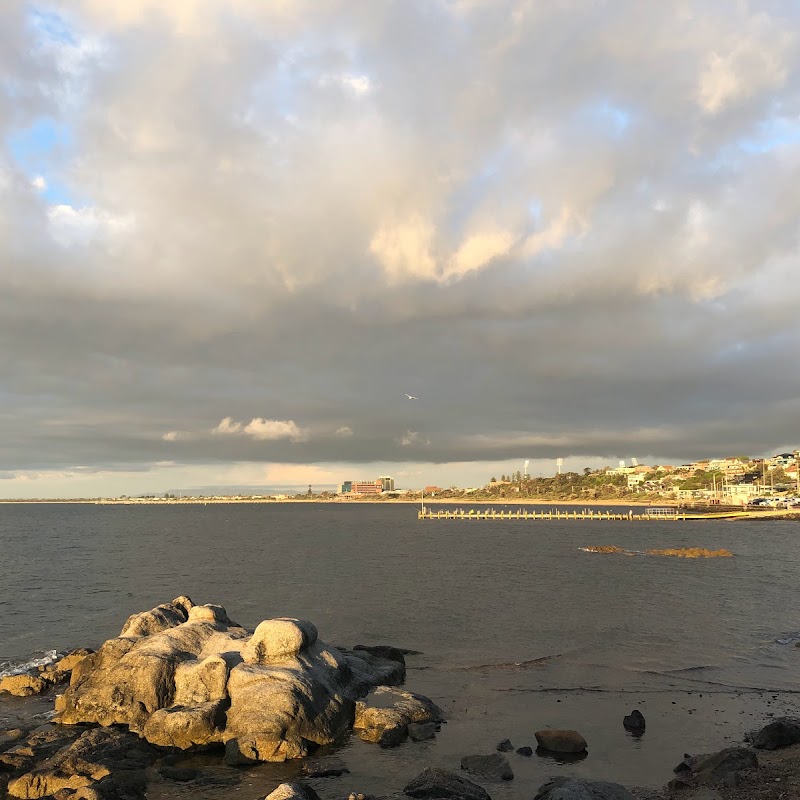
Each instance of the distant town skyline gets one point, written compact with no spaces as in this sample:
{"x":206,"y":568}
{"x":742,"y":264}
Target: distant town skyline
{"x":238,"y":237}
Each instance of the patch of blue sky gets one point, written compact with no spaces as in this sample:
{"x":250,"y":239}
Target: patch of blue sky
{"x":606,"y":117}
{"x":50,"y":27}
{"x":40,"y":150}
{"x":772,"y":134}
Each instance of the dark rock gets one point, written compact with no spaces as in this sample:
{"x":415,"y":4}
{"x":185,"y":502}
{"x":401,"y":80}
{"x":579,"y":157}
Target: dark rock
{"x":97,"y":755}
{"x":505,"y":746}
{"x":560,"y":741}
{"x":494,"y":766}
{"x":634,"y":722}
{"x":293,"y":791}
{"x":722,"y":767}
{"x":780,"y":733}
{"x":717,"y":765}
{"x":38,"y":745}
{"x":420,"y":731}
{"x":434,"y":783}
{"x":384,"y":651}
{"x":525,"y":751}
{"x":329,"y":768}
{"x":680,"y":783}
{"x":370,"y":670}
{"x":578,"y":789}
{"x":179,"y":774}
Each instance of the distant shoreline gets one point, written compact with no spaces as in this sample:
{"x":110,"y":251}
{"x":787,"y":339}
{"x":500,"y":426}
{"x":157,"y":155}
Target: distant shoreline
{"x":398,"y":501}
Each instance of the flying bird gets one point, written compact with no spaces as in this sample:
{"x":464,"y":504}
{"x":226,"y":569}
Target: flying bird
{"x":411,"y":396}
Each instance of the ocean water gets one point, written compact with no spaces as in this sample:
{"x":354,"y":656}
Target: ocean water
{"x":518,"y":628}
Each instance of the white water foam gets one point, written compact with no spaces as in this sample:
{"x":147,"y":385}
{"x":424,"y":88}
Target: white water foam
{"x":8,"y":668}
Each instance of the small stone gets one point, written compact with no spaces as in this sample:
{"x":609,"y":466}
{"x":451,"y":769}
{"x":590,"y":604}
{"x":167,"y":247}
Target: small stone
{"x":525,"y":751}
{"x":293,"y":791}
{"x":505,"y":746}
{"x":560,"y":741}
{"x":634,"y":722}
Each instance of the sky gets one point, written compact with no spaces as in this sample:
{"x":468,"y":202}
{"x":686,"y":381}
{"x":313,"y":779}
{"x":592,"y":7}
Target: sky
{"x":235,"y":233}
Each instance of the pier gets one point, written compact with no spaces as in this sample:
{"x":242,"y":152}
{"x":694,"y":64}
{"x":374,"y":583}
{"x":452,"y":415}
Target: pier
{"x":645,"y":515}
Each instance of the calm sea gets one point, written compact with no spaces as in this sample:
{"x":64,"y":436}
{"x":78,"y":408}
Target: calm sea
{"x":518,"y":627}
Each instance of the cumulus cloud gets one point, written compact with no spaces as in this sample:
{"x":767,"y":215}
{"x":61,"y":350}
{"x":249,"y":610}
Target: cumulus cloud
{"x":262,"y":429}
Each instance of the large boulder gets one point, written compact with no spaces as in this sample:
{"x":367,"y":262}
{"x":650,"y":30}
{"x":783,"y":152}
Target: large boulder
{"x":579,"y":789}
{"x":185,"y":676}
{"x":434,"y":783}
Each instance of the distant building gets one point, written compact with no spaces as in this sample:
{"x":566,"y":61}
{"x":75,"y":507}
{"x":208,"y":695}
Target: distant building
{"x":432,"y":490}
{"x":376,"y":486}
{"x":782,"y":460}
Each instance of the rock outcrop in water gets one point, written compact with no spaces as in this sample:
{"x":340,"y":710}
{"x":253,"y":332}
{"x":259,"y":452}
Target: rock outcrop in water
{"x":676,"y":552}
{"x":183,"y":675}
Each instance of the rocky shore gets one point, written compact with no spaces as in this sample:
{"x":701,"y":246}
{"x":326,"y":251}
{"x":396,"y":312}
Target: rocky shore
{"x":185,"y":679}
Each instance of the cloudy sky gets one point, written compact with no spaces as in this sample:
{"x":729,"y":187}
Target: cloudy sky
{"x":234,"y":233}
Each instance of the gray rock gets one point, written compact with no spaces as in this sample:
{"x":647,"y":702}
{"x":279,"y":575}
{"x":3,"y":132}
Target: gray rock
{"x":434,"y":783}
{"x":420,"y":731}
{"x":634,"y":722}
{"x":505,"y":746}
{"x":492,"y":766}
{"x":717,"y":766}
{"x":525,"y":751}
{"x":578,"y":789}
{"x":780,"y":733}
{"x":723,"y":767}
